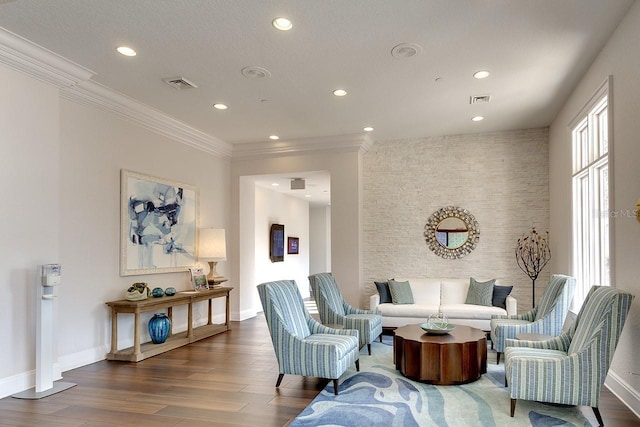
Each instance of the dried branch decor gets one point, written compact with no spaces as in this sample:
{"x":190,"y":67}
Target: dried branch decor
{"x":532,"y":255}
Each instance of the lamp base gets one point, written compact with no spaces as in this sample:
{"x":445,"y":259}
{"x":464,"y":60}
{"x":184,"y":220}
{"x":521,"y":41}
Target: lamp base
{"x":213,"y":278}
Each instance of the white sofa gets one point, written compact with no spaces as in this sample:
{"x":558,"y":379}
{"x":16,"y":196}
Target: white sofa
{"x":433,"y":295}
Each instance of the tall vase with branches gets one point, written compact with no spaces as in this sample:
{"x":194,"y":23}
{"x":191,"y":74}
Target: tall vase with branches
{"x":532,"y":255}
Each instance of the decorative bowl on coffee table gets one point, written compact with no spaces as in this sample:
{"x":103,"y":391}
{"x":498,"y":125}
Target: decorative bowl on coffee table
{"x":437,"y":324}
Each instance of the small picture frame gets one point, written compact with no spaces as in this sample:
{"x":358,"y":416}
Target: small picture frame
{"x":293,"y":245}
{"x":199,"y":279}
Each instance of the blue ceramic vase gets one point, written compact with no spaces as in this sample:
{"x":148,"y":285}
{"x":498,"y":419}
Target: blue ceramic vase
{"x":159,"y":326}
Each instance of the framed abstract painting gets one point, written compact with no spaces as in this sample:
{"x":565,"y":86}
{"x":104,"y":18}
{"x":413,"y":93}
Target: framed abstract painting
{"x":158,"y":224}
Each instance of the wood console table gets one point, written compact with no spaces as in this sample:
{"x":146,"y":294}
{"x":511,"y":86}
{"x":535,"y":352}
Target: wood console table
{"x":142,"y":351}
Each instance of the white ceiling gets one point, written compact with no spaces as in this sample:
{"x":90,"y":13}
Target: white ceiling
{"x":536,"y":51}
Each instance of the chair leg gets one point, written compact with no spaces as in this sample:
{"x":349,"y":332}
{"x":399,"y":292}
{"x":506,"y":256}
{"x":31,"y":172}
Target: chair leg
{"x":380,"y":337}
{"x":280,"y":377}
{"x":369,"y":348}
{"x":498,"y":359}
{"x":358,"y":365}
{"x":513,"y":407}
{"x":596,"y":411}
{"x":335,"y":387}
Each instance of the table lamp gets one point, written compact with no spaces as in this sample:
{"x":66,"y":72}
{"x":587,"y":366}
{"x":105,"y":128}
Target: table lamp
{"x":212,"y":248}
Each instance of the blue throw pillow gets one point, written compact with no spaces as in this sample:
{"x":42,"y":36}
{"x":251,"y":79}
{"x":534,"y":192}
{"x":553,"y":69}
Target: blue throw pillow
{"x":500,"y":294}
{"x":384,"y":292}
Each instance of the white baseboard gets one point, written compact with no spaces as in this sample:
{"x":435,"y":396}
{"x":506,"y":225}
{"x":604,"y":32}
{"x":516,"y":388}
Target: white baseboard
{"x":623,"y":391}
{"x":23,"y":381}
{"x":243,"y":315}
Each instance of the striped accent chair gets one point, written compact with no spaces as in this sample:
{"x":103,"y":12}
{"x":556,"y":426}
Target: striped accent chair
{"x":547,"y":318}
{"x":334,"y":309}
{"x":303,"y":346}
{"x":571,"y":368}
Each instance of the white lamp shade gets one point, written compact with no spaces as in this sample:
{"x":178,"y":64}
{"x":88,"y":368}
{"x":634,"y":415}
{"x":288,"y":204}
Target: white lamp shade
{"x":212,"y":244}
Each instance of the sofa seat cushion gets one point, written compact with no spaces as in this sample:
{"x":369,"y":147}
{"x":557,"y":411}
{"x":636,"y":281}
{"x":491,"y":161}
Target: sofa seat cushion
{"x":408,"y":310}
{"x":470,"y":311}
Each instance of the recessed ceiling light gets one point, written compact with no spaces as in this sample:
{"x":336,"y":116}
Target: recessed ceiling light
{"x":126,"y":51}
{"x":368,"y":129}
{"x":307,"y":196}
{"x":339,"y":92}
{"x":477,"y":118}
{"x":220,"y":106}
{"x":482,"y":74}
{"x":282,"y":24}
{"x":275,"y":184}
{"x":274,"y":137}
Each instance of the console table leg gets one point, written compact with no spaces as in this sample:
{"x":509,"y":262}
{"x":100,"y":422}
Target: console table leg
{"x":209,"y":318}
{"x":114,"y":330}
{"x":226,"y":319}
{"x":136,"y":336}
{"x":190,"y":321}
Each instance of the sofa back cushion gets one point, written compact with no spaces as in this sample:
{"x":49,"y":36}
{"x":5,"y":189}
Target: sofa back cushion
{"x":454,"y":291}
{"x":425,"y":291}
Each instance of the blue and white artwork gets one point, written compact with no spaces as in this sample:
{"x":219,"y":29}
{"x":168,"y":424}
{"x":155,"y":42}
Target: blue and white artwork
{"x":159,"y":223}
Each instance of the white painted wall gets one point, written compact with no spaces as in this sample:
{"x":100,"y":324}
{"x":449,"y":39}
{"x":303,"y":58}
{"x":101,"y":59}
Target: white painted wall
{"x":501,"y":178}
{"x":96,"y":146}
{"x":276,"y":208}
{"x":29,"y":171}
{"x":344,"y":169}
{"x":61,"y":165}
{"x":619,"y":59}
{"x":319,"y":239}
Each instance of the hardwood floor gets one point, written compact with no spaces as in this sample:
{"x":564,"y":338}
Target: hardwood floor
{"x":225,"y":380}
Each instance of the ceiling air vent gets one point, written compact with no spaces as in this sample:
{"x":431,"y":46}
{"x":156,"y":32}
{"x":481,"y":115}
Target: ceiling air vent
{"x":179,"y":83}
{"x":480,"y":99}
{"x":297,"y":184}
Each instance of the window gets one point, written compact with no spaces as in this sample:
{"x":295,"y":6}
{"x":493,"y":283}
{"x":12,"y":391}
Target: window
{"x":590,"y":188}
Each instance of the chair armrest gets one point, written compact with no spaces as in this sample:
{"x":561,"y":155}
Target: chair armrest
{"x":560,"y":342}
{"x":512,"y":306}
{"x":348,"y":309}
{"x":374,"y":301}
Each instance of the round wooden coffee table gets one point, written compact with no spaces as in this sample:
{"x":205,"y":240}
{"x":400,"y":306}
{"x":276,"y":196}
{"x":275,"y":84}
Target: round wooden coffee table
{"x":458,"y":357}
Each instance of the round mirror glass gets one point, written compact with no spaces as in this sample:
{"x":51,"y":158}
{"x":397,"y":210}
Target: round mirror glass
{"x":452,"y":232}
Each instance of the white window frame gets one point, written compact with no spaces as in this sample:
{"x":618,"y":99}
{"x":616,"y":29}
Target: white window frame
{"x":592,"y":260}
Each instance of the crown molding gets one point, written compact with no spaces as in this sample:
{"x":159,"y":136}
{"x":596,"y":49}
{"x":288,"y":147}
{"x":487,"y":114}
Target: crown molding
{"x":92,"y":93}
{"x":74,"y":83}
{"x":360,"y":142}
{"x":22,"y":55}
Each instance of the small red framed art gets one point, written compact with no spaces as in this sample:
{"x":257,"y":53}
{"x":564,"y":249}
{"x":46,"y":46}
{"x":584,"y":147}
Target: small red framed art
{"x":292,"y":245}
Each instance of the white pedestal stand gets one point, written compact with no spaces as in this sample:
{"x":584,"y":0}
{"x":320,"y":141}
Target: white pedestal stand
{"x":44,"y":339}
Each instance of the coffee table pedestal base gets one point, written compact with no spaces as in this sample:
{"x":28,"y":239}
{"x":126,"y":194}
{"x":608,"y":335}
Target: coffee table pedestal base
{"x":456,"y":358}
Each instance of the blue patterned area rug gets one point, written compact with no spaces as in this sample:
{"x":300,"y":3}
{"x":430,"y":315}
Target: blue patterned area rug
{"x":379,"y":395}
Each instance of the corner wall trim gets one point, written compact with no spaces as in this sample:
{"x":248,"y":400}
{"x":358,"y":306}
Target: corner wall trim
{"x":624,"y":392}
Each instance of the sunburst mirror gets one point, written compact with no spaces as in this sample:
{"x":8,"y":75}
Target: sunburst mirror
{"x":452,"y":232}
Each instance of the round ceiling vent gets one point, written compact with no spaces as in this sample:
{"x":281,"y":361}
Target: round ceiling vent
{"x":406,"y":50}
{"x":255,"y":72}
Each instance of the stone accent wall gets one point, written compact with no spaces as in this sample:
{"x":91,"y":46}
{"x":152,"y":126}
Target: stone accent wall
{"x":502,"y":178}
